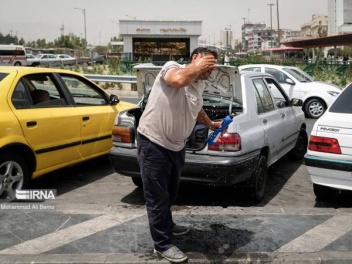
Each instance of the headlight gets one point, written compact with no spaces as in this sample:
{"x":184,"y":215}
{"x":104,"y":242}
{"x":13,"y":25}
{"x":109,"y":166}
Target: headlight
{"x":333,"y":93}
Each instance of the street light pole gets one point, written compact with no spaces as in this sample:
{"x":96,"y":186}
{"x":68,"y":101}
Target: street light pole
{"x":271,"y":16}
{"x":134,"y":18}
{"x":271,"y":24}
{"x":278,"y":22}
{"x":85,"y":27}
{"x":117,"y":23}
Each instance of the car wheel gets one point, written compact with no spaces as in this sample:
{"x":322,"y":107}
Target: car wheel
{"x":258,"y":181}
{"x":14,"y":175}
{"x":314,"y":108}
{"x":137,"y":181}
{"x":323,"y":192}
{"x":300,"y":149}
{"x":17,"y":63}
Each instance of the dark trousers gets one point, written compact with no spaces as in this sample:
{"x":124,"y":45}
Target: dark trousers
{"x":160,"y":170}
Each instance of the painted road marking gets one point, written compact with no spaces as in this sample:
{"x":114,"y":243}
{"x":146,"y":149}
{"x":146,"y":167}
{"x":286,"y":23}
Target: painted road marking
{"x":320,"y":236}
{"x":67,"y":235}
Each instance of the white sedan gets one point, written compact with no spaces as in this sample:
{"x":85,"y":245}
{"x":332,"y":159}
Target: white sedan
{"x":316,"y":96}
{"x":329,"y":156}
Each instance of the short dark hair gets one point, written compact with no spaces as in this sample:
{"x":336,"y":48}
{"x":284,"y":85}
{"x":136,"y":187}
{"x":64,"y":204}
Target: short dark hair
{"x":204,"y":50}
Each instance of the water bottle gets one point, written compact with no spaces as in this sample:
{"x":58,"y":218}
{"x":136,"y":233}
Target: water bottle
{"x":213,"y":137}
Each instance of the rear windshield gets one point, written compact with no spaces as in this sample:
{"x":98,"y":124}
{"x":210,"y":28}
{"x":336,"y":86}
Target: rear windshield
{"x":342,"y":104}
{"x":3,"y":75}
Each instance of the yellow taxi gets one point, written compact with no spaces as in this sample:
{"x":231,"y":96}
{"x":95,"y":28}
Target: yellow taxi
{"x":50,"y":119}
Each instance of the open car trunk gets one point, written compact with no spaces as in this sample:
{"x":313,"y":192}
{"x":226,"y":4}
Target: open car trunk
{"x":222,"y":96}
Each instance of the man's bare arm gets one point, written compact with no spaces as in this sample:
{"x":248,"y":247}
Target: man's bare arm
{"x":204,"y":119}
{"x":181,"y":77}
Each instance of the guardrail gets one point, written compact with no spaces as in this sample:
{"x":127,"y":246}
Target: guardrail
{"x":111,"y":78}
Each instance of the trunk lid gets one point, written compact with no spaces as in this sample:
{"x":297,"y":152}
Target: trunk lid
{"x":222,"y":96}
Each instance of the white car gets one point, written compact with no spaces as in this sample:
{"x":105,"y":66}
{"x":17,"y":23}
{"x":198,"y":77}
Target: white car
{"x":266,"y":126}
{"x":64,"y":57}
{"x":32,"y":60}
{"x":316,"y":96}
{"x":329,"y":156}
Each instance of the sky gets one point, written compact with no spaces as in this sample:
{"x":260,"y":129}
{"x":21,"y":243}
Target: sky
{"x":48,"y":19}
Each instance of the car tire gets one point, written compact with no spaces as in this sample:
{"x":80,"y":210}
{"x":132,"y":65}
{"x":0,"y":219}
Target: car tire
{"x":137,"y":181}
{"x":14,"y":175}
{"x":314,"y":108}
{"x":300,"y":149}
{"x":259,"y":180}
{"x":323,"y":192}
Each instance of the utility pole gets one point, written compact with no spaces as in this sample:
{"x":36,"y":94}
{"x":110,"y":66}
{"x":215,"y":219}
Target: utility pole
{"x":62,"y":30}
{"x":271,"y":16}
{"x":271,"y":25}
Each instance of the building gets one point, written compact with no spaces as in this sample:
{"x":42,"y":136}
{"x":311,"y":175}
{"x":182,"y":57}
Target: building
{"x":159,"y":40}
{"x":316,"y":28}
{"x":226,"y":36}
{"x":340,"y":17}
{"x":257,"y":37}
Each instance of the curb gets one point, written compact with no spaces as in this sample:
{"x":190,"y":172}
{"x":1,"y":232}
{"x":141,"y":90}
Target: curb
{"x":193,"y":257}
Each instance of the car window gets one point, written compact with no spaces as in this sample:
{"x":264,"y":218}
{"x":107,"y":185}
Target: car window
{"x":278,"y":75}
{"x":38,"y":90}
{"x":277,"y":92}
{"x":342,"y":104}
{"x":263,"y":97}
{"x":83,"y":92}
{"x":3,"y":75}
{"x":254,"y":69}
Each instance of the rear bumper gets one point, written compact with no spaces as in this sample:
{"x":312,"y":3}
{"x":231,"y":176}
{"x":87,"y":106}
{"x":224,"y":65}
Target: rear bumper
{"x":332,"y":173}
{"x":203,"y":169}
{"x":330,"y":164}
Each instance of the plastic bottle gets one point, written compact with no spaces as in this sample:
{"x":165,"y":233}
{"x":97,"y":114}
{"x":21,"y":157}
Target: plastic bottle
{"x":213,"y":137}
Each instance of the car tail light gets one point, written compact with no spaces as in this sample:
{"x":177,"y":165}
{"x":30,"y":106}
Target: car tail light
{"x":227,"y":142}
{"x":324,"y":144}
{"x":122,"y":134}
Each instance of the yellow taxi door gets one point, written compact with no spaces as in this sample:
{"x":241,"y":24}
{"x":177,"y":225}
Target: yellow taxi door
{"x":51,"y":127}
{"x":96,"y":114}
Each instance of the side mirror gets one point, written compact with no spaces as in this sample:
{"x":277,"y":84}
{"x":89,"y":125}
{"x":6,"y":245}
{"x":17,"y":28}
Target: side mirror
{"x":114,"y":99}
{"x":296,"y":102}
{"x":290,"y":81}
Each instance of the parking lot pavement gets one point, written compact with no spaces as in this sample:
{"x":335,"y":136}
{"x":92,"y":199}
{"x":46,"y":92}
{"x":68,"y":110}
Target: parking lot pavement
{"x":99,"y":217}
{"x":218,"y":235}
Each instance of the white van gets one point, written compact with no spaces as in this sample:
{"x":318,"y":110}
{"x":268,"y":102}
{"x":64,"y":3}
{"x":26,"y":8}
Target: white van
{"x":13,"y":55}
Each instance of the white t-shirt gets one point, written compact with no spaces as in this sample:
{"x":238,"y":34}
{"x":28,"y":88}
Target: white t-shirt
{"x":171,"y":113}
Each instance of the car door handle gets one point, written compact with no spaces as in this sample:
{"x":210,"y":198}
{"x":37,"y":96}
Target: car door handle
{"x":265,"y":121}
{"x":31,"y":123}
{"x":85,"y":118}
{"x":283,"y":115}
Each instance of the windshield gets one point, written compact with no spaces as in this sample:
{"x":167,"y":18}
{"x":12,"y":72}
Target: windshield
{"x":3,"y":75}
{"x":300,"y":75}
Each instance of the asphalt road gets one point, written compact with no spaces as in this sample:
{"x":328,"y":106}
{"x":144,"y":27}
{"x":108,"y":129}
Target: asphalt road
{"x":99,"y":217}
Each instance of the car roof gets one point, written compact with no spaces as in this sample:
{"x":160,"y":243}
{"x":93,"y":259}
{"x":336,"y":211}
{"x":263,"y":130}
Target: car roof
{"x":266,"y":65}
{"x":29,"y":70}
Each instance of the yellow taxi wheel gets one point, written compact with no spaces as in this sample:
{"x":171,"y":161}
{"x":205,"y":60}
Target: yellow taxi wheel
{"x":14,"y":175}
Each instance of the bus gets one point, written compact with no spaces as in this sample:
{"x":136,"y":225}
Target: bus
{"x":13,"y":55}
{"x":284,"y":53}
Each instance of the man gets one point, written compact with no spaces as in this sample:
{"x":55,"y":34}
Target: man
{"x":174,"y":105}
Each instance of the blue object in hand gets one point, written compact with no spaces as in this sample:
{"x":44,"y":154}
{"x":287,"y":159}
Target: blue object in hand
{"x":213,"y":137}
